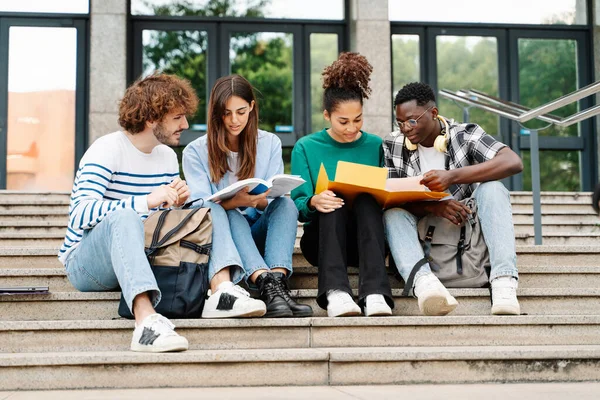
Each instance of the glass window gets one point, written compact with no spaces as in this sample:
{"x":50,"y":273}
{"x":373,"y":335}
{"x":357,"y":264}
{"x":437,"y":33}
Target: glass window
{"x":306,"y":9}
{"x":41,"y":108}
{"x":537,"y":12}
{"x":405,"y":61}
{"x":559,"y":170}
{"x":548,"y":70}
{"x":323,"y":51}
{"x":468,"y":62}
{"x":185,"y":54}
{"x":265,"y":60}
{"x":46,"y":6}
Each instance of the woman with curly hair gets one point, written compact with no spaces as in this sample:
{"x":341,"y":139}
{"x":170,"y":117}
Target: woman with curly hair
{"x":336,"y":235}
{"x":263,"y":230}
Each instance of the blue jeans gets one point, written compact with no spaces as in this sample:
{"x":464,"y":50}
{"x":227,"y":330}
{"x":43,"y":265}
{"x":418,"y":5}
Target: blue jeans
{"x":111,"y":255}
{"x":268,"y":242}
{"x":495,"y":216}
{"x":224,"y":252}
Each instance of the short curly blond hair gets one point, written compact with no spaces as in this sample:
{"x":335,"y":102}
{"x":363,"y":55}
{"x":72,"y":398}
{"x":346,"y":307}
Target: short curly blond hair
{"x":149,"y":99}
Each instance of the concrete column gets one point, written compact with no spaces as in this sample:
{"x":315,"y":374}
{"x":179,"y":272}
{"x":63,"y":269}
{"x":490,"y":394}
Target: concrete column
{"x":108,"y":26}
{"x":370,"y":36}
{"x":596,"y":42}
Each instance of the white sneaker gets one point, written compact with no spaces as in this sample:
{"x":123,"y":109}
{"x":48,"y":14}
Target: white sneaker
{"x":156,"y":335}
{"x":375,"y":304}
{"x":340,"y":304}
{"x":433,"y":297}
{"x":504,"y":296}
{"x":230,"y":301}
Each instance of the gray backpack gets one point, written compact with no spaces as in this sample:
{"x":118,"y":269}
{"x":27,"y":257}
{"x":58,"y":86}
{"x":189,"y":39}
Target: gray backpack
{"x":457,"y":255}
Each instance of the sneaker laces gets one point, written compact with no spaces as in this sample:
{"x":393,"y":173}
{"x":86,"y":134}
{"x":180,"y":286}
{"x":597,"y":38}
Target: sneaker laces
{"x":426,"y":283}
{"x":339,"y":295}
{"x":504,"y":289}
{"x":161,"y":325}
{"x":239,"y":290}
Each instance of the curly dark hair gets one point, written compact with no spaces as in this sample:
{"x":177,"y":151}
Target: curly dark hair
{"x":596,"y":199}
{"x":421,"y":92}
{"x":149,"y":99}
{"x":347,"y":79}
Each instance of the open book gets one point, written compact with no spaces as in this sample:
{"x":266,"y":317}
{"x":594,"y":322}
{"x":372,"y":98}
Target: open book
{"x":352,"y":179}
{"x":279,"y":185}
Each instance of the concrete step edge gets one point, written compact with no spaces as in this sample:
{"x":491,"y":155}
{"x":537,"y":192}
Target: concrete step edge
{"x":488,"y":320}
{"x":335,"y":355}
{"x":309,"y":270}
{"x":310,"y":293}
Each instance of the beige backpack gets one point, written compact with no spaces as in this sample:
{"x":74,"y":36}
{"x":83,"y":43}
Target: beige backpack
{"x":178,"y":244}
{"x":457,"y":255}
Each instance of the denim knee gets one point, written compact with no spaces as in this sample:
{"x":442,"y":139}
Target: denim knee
{"x":490,"y":191}
{"x":125,"y":217}
{"x":284,"y":206}
{"x":395,"y":217}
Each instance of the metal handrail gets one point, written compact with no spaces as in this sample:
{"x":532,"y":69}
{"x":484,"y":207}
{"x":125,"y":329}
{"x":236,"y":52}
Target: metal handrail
{"x":517,"y":108}
{"x":520,"y":113}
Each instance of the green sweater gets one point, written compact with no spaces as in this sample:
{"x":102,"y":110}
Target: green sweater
{"x":312,"y":150}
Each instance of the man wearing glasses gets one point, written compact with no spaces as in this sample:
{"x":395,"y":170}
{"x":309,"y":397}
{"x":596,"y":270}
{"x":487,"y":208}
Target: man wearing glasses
{"x":457,"y":158}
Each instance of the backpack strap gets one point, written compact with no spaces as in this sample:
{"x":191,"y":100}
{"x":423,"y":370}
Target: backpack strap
{"x":155,"y":245}
{"x":427,"y":259}
{"x":460,"y":250}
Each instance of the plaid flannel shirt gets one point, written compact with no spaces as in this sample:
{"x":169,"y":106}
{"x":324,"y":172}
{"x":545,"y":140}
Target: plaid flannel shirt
{"x":468,"y":144}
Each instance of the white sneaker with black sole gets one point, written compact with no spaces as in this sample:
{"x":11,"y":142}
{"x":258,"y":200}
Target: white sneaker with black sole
{"x":231,"y":301}
{"x":433,"y":297}
{"x":340,"y":304}
{"x":504,"y":296}
{"x":375,"y":305}
{"x":156,"y":334}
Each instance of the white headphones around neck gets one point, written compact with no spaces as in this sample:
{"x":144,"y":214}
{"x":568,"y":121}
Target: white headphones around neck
{"x":441,"y":142}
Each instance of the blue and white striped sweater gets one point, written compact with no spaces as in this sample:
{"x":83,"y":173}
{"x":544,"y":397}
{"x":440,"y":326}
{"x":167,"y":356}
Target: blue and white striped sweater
{"x":113,"y":174}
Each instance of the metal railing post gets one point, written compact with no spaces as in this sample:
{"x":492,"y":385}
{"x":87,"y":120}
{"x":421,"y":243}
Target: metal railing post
{"x":535,"y":185}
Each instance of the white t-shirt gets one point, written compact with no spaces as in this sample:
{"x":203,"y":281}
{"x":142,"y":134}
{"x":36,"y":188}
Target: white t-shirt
{"x":430,"y":158}
{"x":232,"y":160}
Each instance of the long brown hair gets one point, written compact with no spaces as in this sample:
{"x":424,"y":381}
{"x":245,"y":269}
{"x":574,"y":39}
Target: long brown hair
{"x":223,"y":89}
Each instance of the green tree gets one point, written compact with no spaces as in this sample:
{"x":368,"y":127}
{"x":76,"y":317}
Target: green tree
{"x":184,"y":53}
{"x":547,"y":70}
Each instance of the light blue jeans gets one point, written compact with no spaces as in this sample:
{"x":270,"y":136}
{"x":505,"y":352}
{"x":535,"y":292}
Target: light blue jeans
{"x":111,"y":255}
{"x":224,"y":252}
{"x":495,"y":216}
{"x":268,"y":242}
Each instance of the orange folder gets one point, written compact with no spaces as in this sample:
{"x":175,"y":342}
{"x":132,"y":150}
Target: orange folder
{"x":352,"y":179}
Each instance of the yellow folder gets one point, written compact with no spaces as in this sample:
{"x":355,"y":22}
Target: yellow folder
{"x":352,"y":179}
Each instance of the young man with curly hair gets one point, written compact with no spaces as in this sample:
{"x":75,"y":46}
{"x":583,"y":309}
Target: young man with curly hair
{"x":465,"y":161}
{"x":122,"y":178}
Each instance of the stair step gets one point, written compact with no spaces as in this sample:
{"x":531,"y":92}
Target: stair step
{"x":527,"y":255}
{"x":265,"y":333}
{"x":326,"y":366}
{"x":307,"y":277}
{"x":104,"y":305}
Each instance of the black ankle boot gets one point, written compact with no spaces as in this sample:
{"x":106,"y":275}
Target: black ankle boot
{"x":299,"y":310}
{"x":271,"y":294}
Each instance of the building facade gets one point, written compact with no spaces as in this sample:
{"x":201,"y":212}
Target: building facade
{"x":64,"y":66}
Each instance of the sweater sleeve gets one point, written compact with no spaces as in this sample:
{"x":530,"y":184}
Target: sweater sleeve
{"x":195,"y":169}
{"x":88,"y":206}
{"x":302,"y":194}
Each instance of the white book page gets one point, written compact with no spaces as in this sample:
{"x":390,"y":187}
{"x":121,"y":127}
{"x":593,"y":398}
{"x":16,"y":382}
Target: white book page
{"x":410,"y":184}
{"x":282,"y":184}
{"x":232,"y":189}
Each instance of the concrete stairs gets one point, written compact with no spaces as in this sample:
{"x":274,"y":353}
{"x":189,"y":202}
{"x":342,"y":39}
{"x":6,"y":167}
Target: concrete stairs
{"x":71,"y":340}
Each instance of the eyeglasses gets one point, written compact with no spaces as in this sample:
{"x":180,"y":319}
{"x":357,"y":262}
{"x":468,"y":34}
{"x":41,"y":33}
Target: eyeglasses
{"x":410,"y":122}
